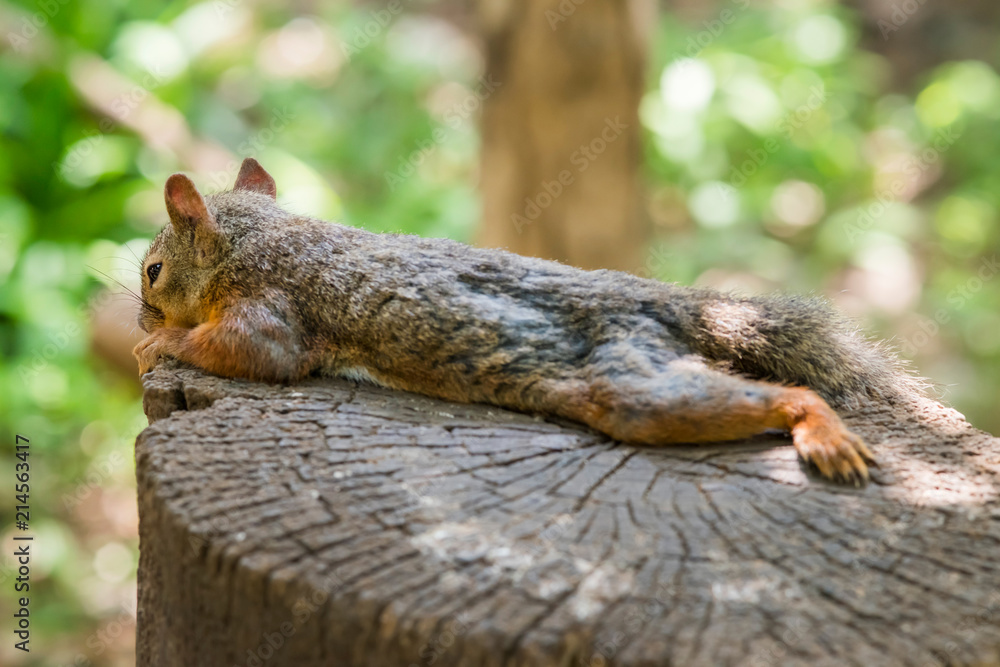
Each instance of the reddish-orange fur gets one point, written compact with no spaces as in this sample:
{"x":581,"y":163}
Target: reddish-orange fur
{"x":242,"y":288}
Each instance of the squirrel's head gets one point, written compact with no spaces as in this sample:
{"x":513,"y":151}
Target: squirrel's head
{"x":186,"y":252}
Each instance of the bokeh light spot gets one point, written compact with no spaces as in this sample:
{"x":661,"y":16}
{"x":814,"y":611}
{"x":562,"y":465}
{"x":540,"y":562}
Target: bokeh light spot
{"x":819,"y":39}
{"x":715,"y":204}
{"x":687,"y":84}
{"x":938,"y":106}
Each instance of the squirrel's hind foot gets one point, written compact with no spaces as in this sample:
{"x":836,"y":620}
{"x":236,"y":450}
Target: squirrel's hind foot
{"x":824,"y":442}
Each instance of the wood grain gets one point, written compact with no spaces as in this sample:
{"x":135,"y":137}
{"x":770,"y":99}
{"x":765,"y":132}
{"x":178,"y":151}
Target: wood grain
{"x":339,"y":524}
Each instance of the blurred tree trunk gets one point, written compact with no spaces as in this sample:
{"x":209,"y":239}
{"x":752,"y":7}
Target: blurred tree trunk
{"x":561,"y":136}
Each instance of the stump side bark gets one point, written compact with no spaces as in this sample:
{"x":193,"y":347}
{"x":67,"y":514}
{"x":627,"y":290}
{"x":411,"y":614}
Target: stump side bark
{"x":338,"y":524}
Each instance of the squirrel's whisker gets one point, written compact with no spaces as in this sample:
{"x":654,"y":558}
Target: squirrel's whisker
{"x":122,"y":259}
{"x":139,"y":261}
{"x":120,"y":283}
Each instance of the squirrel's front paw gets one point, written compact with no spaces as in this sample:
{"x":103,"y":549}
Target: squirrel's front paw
{"x":156,"y":346}
{"x":823,"y":441}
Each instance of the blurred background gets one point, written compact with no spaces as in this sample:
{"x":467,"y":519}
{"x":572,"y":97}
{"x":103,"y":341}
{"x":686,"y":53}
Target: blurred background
{"x":844,"y":149}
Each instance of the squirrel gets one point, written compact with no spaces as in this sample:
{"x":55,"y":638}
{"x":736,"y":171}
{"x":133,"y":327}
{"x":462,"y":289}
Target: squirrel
{"x":241,"y":288}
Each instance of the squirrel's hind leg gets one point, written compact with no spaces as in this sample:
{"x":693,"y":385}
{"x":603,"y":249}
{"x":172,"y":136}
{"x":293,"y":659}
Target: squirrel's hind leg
{"x":690,"y":403}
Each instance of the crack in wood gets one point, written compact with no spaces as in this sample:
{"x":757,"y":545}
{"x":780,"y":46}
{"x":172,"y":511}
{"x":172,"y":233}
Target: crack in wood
{"x":545,"y":538}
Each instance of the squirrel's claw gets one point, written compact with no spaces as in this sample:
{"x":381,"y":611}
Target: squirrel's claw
{"x":824,"y":442}
{"x":153,"y":348}
{"x":146,"y":355}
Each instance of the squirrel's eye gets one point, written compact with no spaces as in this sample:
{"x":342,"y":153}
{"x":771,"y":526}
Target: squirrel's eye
{"x":153,"y":271}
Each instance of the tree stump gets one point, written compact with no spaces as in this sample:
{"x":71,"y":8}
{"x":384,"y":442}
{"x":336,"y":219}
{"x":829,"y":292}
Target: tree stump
{"x":331,"y":523}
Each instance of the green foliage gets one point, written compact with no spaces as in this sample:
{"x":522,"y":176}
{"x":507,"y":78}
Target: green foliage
{"x":81,"y":195}
{"x":776,"y":159}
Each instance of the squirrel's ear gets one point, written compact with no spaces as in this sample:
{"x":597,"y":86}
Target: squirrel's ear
{"x":190,"y":217}
{"x":252,"y":177}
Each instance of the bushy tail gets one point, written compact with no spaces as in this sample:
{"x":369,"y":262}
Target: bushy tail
{"x":799,"y":341}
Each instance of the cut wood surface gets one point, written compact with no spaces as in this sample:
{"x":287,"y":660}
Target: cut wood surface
{"x":331,"y":523}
